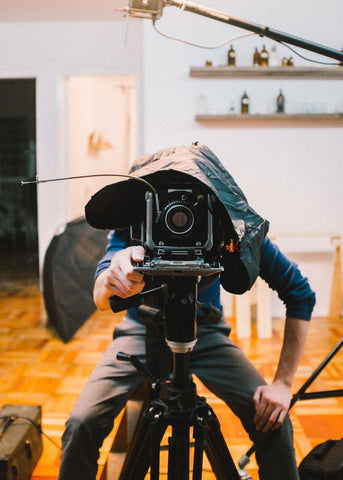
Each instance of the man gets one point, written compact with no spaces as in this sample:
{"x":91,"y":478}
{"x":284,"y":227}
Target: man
{"x":216,"y":360}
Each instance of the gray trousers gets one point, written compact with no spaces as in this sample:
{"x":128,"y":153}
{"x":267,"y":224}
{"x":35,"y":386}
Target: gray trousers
{"x":216,"y":360}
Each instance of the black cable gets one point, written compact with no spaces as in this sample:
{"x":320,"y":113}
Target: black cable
{"x":35,"y":424}
{"x":238,"y":38}
{"x":305,"y":58}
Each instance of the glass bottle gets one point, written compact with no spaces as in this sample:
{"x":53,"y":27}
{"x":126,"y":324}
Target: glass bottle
{"x":264,"y":57}
{"x":280,"y":103}
{"x":290,"y":62}
{"x":231,"y":56}
{"x":245,"y":103}
{"x":274,"y":57}
{"x":256,"y":58}
{"x":284,"y":62}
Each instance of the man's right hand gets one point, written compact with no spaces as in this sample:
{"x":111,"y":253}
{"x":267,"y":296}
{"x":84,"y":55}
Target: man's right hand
{"x":120,"y":278}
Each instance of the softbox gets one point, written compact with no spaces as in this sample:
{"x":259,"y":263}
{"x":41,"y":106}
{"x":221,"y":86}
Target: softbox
{"x":68,"y":275}
{"x":122,"y":203}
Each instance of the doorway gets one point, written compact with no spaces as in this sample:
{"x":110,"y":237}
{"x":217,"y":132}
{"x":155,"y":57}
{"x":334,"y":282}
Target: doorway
{"x":99,"y":135}
{"x":18,"y":205}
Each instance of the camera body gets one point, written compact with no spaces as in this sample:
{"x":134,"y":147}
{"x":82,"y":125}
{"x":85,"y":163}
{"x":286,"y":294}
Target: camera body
{"x":178,"y":232}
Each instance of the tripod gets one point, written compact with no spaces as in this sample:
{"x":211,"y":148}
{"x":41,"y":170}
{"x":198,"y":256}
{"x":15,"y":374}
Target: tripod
{"x":174,"y":402}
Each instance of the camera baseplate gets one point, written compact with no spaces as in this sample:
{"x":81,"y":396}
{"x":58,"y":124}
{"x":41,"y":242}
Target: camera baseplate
{"x":189,"y":268}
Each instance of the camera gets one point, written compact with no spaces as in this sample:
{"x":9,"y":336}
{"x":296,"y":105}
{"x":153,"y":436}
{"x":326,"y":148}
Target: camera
{"x":188,"y":213}
{"x":178,"y":232}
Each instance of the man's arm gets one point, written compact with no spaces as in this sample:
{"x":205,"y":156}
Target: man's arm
{"x":272,"y":401}
{"x":119,"y":278}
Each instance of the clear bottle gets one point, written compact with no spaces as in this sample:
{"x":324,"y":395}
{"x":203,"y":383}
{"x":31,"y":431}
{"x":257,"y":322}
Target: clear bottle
{"x":274,"y":57}
{"x":244,"y":103}
{"x":256,"y":58}
{"x":231,"y":57}
{"x":264,"y":57}
{"x":280,"y":103}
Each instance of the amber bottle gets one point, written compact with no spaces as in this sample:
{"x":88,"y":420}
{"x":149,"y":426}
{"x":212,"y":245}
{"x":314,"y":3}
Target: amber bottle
{"x":264,"y":57}
{"x":231,"y":57}
{"x":245,"y":103}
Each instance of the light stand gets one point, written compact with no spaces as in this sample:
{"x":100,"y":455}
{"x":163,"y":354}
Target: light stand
{"x":153,"y":9}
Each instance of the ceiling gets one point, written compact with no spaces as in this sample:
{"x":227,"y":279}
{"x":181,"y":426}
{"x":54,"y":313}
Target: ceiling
{"x":59,"y":10}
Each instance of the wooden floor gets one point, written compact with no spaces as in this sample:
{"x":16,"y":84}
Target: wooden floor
{"x":38,"y":369}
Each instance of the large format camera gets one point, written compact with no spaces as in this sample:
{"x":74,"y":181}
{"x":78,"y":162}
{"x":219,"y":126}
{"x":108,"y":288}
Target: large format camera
{"x":188,"y":213}
{"x":179,"y":238}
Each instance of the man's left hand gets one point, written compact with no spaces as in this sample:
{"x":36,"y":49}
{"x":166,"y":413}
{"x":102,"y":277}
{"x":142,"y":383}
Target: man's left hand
{"x":272,"y":403}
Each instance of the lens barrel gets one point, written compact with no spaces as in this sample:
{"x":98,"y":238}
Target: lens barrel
{"x":179,"y":219}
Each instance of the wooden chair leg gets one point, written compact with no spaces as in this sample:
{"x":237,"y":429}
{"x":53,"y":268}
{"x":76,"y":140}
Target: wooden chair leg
{"x":336,"y":288}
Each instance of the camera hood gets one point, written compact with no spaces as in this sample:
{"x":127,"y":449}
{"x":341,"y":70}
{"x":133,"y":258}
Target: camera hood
{"x":121,"y":204}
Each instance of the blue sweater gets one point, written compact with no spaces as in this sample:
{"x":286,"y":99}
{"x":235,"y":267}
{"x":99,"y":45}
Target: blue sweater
{"x":281,"y":274}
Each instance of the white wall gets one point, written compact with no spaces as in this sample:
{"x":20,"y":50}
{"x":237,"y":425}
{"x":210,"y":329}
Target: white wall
{"x":50,"y":51}
{"x":292,"y":176}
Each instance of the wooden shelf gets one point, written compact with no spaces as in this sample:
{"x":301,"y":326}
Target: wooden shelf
{"x":274,"y":120}
{"x":328,"y":73}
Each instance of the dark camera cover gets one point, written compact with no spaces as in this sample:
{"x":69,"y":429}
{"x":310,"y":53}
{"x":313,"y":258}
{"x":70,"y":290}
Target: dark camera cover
{"x":123,"y":203}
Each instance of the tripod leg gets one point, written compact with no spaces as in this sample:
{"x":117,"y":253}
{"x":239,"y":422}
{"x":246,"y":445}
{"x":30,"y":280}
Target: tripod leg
{"x":199,"y":437}
{"x":144,"y":448}
{"x":157,"y":429}
{"x":178,"y":461}
{"x":136,"y":463}
{"x":217,"y":451}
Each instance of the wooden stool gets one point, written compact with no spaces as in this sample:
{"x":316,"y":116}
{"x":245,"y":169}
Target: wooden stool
{"x":128,"y":422}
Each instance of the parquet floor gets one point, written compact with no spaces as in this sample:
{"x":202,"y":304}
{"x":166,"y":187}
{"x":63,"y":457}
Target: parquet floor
{"x":38,"y":369}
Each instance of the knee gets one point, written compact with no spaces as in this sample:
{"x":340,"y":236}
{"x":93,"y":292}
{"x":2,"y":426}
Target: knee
{"x":79,"y":423}
{"x":77,"y":426}
{"x":282,"y":437}
{"x":87,"y":425}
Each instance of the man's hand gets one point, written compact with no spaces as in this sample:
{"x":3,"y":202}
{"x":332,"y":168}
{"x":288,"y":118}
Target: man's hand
{"x":120,"y":278}
{"x":272,"y":403}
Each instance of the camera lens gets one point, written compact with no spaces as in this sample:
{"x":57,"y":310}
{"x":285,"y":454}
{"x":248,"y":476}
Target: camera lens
{"x":179,"y":219}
